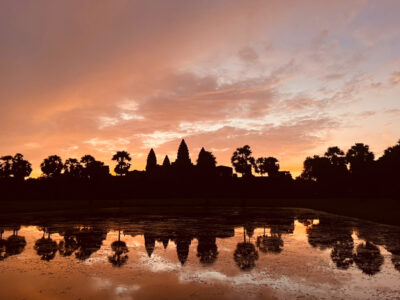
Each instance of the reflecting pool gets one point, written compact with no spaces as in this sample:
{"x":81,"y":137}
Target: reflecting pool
{"x":198,"y":254}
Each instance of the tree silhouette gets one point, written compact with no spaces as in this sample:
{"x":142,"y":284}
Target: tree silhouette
{"x":183,"y":158}
{"x":21,"y":168}
{"x":52,"y":166}
{"x":242,"y":160}
{"x":336,"y":156}
{"x":73,"y":168}
{"x":260,"y":167}
{"x":151,"y":161}
{"x":166,"y":162}
{"x":338,"y":169}
{"x":316,"y":168}
{"x":368,"y":258}
{"x":328,"y":169}
{"x":122,"y":166}
{"x":119,"y":258}
{"x":389,"y":165}
{"x":391,"y":156}
{"x":6,"y":166}
{"x":268,"y":165}
{"x":87,"y":160}
{"x":93,"y":168}
{"x":359,"y":157}
{"x":245,"y":254}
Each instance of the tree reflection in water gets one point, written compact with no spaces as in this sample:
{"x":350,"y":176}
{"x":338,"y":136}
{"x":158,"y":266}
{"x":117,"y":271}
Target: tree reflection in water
{"x":270,"y":244}
{"x":368,"y":258}
{"x":245,"y":254}
{"x":89,"y":240}
{"x":15,"y":244}
{"x":2,"y":245}
{"x":119,"y":257}
{"x":207,"y":250}
{"x":342,"y":253}
{"x":69,"y":245}
{"x":46,"y":248}
{"x":329,"y":234}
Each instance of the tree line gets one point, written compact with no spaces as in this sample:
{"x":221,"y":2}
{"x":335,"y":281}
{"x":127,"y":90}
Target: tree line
{"x":357,"y":164}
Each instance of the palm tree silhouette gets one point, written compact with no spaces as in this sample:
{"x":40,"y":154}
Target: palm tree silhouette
{"x":242,"y":160}
{"x":122,"y":158}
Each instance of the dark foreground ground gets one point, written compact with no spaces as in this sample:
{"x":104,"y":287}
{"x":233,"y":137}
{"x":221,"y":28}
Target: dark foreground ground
{"x":384,"y":210}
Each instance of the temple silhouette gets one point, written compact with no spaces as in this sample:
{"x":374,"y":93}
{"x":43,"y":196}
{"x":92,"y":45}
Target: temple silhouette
{"x":340,"y":174}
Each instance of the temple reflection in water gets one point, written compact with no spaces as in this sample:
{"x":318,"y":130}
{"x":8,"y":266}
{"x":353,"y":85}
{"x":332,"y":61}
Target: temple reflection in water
{"x":263,"y":234}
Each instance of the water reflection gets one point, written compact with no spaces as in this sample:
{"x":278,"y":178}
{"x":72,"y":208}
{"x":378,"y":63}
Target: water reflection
{"x":263,"y":234}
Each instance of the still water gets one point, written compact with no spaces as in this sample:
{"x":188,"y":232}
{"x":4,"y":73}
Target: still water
{"x":226,"y":254}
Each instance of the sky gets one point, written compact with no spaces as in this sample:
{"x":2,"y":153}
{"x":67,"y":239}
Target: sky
{"x":288,"y":78}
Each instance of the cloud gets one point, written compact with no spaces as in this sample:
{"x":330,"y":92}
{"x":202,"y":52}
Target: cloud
{"x":248,"y":54}
{"x":395,"y":78}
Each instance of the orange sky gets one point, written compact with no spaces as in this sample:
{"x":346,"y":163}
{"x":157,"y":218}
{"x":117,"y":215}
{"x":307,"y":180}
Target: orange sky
{"x":289,"y":78}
